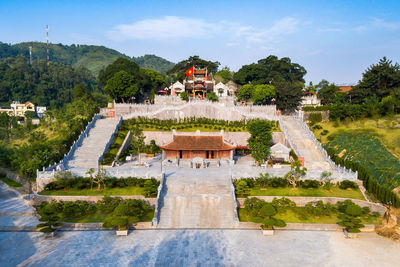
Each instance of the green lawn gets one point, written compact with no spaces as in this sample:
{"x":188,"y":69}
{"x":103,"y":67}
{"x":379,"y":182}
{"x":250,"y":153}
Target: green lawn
{"x":117,"y":191}
{"x":10,"y":182}
{"x":307,"y":192}
{"x":99,"y":217}
{"x":291,"y":217}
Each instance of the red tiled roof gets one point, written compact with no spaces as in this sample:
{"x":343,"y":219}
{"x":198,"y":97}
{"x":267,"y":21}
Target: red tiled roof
{"x":345,"y":89}
{"x":198,"y":142}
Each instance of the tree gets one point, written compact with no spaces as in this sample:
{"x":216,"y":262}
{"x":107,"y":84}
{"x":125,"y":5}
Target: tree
{"x":327,"y":94}
{"x":121,"y":86}
{"x":49,"y":219}
{"x":184,"y":96}
{"x":120,"y":64}
{"x":263,"y":93}
{"x":267,"y":212}
{"x":295,"y":173}
{"x":260,"y":139}
{"x":137,"y":143}
{"x":212,"y":97}
{"x":243,"y":189}
{"x":90,"y":172}
{"x":100,"y":179}
{"x":288,"y":96}
{"x":326,"y":179}
{"x":270,"y":70}
{"x":245,"y":92}
{"x":379,"y":79}
{"x":180,"y":68}
{"x":350,"y":219}
{"x":223,"y":75}
{"x":311,"y":88}
{"x":80,"y":91}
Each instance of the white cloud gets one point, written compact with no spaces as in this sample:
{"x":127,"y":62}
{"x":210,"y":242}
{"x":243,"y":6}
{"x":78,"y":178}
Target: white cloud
{"x":278,"y":29}
{"x":170,"y":28}
{"x":166,"y":28}
{"x":381,"y":24}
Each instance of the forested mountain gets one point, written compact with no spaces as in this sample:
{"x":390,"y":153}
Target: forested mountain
{"x":46,"y":85}
{"x":92,"y":57}
{"x":154,"y":63}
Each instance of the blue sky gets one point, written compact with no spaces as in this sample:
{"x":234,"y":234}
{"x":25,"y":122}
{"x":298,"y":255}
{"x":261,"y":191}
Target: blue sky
{"x":333,"y":40}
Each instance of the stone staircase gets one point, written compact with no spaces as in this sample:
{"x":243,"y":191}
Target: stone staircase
{"x":197,"y":202}
{"x":313,"y":158}
{"x":87,"y":155}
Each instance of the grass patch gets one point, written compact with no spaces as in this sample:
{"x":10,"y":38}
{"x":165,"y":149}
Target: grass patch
{"x":100,"y":217}
{"x":307,"y":192}
{"x":10,"y":182}
{"x":116,"y":191}
{"x":290,"y":216}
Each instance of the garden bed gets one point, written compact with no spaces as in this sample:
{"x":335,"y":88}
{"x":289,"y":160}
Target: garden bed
{"x":307,"y":192}
{"x":124,"y":191}
{"x":10,"y":182}
{"x":292,"y":217}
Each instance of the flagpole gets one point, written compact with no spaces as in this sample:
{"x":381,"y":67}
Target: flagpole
{"x":194,"y":95}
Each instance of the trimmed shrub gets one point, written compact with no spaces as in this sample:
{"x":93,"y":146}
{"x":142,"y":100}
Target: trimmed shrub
{"x":345,"y":184}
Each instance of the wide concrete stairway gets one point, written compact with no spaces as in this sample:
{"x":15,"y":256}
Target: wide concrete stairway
{"x":92,"y":147}
{"x":313,"y":158}
{"x":197,"y":202}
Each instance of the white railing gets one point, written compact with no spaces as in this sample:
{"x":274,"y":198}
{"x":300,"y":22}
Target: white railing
{"x":75,"y":145}
{"x":234,"y":202}
{"x":160,"y":197}
{"x":111,"y":140}
{"x":310,"y":134}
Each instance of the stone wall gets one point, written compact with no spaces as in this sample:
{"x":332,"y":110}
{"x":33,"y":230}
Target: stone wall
{"x":37,"y":199}
{"x":26,"y":187}
{"x":302,"y":201}
{"x":198,"y":110}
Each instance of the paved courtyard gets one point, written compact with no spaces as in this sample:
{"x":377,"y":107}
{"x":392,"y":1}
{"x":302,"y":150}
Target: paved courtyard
{"x":196,"y":248}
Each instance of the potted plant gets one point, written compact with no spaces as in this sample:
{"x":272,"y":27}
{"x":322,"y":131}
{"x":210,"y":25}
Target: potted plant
{"x":118,"y":222}
{"x":49,"y":225}
{"x":350,"y":220}
{"x":268,"y":211}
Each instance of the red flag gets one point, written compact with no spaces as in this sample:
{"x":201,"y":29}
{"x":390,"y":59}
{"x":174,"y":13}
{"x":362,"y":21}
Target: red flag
{"x":189,"y":71}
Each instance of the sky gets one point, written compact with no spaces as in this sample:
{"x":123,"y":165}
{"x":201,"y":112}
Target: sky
{"x":334,"y":40}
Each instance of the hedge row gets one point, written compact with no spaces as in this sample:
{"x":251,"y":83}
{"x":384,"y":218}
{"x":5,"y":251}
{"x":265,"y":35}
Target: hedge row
{"x":372,"y":186}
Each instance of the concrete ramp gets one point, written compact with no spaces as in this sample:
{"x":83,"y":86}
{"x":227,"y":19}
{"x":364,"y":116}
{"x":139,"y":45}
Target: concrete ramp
{"x":197,"y":202}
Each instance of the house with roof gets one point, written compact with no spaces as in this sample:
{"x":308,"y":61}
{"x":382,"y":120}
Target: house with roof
{"x":198,"y":146}
{"x":18,"y":109}
{"x":221,"y":89}
{"x":280,"y":151}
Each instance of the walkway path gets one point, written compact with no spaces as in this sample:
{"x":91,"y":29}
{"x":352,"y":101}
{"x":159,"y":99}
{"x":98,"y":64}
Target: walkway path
{"x":313,"y":158}
{"x":13,"y":209}
{"x":86,"y":156}
{"x":195,"y":198}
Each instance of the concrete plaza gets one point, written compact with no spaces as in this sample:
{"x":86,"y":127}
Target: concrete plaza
{"x":196,"y":248}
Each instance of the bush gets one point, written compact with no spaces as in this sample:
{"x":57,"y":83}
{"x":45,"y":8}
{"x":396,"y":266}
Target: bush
{"x":315,"y":117}
{"x":243,"y":189}
{"x":278,"y":182}
{"x":345,"y":184}
{"x":293,"y":155}
{"x":308,"y":184}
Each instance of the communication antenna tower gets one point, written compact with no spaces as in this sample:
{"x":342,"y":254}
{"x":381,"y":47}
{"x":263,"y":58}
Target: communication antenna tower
{"x":30,"y":55}
{"x":47,"y":43}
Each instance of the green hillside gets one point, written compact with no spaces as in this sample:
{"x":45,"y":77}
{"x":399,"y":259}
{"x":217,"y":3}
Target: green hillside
{"x":91,"y":57}
{"x":154,"y":63}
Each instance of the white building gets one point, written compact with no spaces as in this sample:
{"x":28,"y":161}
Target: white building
{"x":221,"y":89}
{"x":40,"y":111}
{"x":280,"y":151}
{"x":177,"y":88}
{"x":310,"y":99}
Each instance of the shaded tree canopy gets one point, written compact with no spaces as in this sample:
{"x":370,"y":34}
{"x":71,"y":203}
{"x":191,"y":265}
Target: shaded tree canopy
{"x":124,"y":64}
{"x":379,"y":79}
{"x":288,"y":95}
{"x":46,"y":85}
{"x":180,"y":68}
{"x":260,"y":139}
{"x":121,"y":86}
{"x":270,"y":70}
{"x":327,"y":92}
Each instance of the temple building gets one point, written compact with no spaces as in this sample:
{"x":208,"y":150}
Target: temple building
{"x":198,"y":146}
